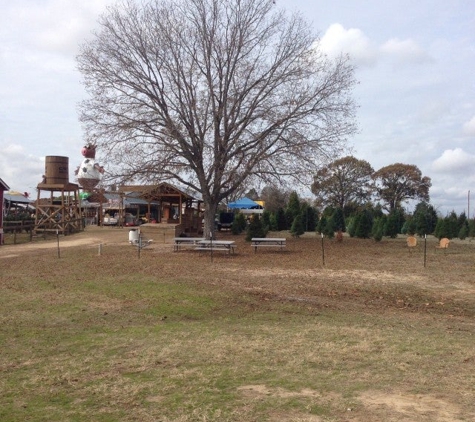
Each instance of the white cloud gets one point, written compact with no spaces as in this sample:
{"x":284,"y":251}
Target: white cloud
{"x":404,"y":51}
{"x":363,"y":51}
{"x":338,"y":40}
{"x":52,"y":26}
{"x":455,"y":161}
{"x":469,"y":127}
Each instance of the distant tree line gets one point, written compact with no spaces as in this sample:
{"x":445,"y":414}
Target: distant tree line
{"x":351,"y":197}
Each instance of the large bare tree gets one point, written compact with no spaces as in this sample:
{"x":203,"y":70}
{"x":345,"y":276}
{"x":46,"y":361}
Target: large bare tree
{"x":211,"y":93}
{"x":346,"y":180}
{"x":398,"y":182}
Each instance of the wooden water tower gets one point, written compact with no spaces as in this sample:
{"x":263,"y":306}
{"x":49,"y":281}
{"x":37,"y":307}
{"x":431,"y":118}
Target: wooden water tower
{"x":61,"y":212}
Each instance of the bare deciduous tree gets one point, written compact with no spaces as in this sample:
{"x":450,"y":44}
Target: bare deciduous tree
{"x":210,"y":93}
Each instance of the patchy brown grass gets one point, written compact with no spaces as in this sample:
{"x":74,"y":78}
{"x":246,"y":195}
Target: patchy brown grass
{"x":275,"y":335}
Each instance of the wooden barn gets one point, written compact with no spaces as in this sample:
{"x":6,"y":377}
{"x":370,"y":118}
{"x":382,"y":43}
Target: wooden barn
{"x":3,"y":187}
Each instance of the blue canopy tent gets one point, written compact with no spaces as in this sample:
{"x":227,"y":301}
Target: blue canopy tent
{"x":244,"y":203}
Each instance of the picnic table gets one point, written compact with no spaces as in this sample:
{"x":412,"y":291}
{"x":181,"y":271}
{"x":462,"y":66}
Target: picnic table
{"x":276,"y":242}
{"x":186,"y":241}
{"x":216,"y":245}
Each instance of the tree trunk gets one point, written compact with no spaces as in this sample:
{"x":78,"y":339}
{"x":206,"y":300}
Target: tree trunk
{"x":209,"y":226}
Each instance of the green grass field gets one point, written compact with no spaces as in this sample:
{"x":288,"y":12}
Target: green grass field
{"x":372,"y":335}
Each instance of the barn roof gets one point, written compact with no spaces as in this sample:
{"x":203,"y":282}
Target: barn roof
{"x":3,"y":185}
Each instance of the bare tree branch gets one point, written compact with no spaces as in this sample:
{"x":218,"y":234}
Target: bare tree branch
{"x":211,"y":93}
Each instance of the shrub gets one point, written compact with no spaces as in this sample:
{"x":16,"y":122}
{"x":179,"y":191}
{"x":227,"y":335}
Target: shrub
{"x":378,"y":229}
{"x":297,"y":228}
{"x":255,"y":228}
{"x":239,"y":224}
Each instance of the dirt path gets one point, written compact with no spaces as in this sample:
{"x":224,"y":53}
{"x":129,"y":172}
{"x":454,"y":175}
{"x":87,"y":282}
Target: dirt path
{"x":93,"y":235}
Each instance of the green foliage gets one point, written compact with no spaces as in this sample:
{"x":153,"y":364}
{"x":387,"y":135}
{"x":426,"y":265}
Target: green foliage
{"x":321,"y":224}
{"x":297,"y":228}
{"x":329,"y":229}
{"x":350,"y":226}
{"x":425,"y":218}
{"x":463,"y":232}
{"x":239,"y":223}
{"x":293,"y":206}
{"x":392,"y":228}
{"x":377,"y":231}
{"x":339,"y":220}
{"x":364,"y":224}
{"x":255,"y":228}
{"x":312,"y":219}
{"x":471,"y":228}
{"x":273,"y":222}
{"x":409,"y":227}
{"x":289,"y":218}
{"x":444,"y":228}
{"x":452,"y":224}
{"x":328,"y":211}
{"x":281,"y":220}
{"x":266,"y":218}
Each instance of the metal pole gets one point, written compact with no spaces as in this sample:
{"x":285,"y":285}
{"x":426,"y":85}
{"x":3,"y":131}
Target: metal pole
{"x":323,"y":252}
{"x":57,"y":240}
{"x":211,"y":244}
{"x":425,"y":250}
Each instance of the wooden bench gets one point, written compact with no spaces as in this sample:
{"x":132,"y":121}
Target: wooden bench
{"x":273,"y":242}
{"x":216,"y":245}
{"x":186,"y":241}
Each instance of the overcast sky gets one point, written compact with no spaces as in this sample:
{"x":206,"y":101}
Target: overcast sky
{"x":415,"y":65}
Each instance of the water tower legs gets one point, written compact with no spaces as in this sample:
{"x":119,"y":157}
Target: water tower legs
{"x":61,"y":212}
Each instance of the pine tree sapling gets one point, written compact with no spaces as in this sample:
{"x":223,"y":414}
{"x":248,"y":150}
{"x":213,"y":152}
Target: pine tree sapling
{"x":297,"y":228}
{"x":255,"y":228}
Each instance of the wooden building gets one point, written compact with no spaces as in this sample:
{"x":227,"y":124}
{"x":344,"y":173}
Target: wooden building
{"x":3,"y":187}
{"x":178,"y":210}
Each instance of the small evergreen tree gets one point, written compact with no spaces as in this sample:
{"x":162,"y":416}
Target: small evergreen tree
{"x":339,"y":220}
{"x":312,"y":219}
{"x":392,"y":225}
{"x":281,"y":220}
{"x":293,"y":206}
{"x":461,"y":220}
{"x":452,"y":224}
{"x":304,"y":211}
{"x":365,"y":224}
{"x":255,"y":228}
{"x":409,"y":227}
{"x":463,"y":233}
{"x":378,"y":229}
{"x":321,"y":224}
{"x":442,"y":229}
{"x":239,"y":223}
{"x":266,"y":218}
{"x":273,"y":222}
{"x":297,"y":228}
{"x":425,"y":219}
{"x":352,"y":222}
{"x":329,"y":228}
{"x":289,"y":218}
{"x":471,"y":228}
